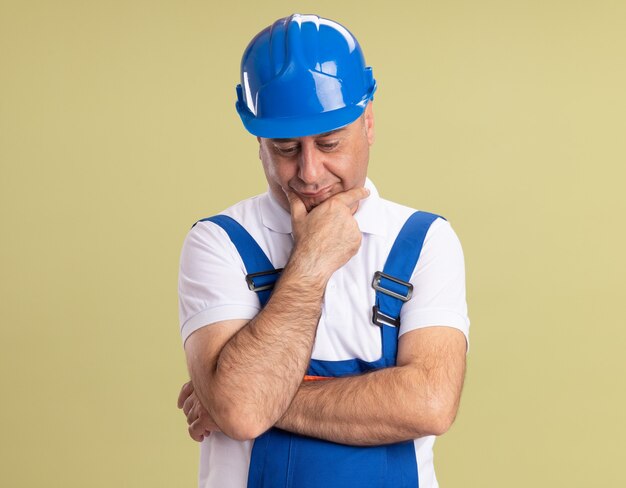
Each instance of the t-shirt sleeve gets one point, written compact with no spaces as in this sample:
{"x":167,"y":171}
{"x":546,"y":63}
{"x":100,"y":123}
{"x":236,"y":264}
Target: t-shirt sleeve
{"x":438,"y":284}
{"x":211,"y":281}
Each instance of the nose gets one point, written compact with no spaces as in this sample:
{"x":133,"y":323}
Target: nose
{"x":311,"y":164}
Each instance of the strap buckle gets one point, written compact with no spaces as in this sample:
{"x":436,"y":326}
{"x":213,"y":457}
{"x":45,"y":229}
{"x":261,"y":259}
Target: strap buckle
{"x":379,"y":275}
{"x":266,"y":282}
{"x":381,"y":319}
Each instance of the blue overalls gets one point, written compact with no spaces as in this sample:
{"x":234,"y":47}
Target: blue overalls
{"x":283,"y":459}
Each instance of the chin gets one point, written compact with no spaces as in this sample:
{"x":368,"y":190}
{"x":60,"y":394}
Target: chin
{"x":311,"y":204}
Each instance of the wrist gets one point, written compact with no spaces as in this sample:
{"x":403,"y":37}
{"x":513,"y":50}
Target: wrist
{"x":308,"y":271}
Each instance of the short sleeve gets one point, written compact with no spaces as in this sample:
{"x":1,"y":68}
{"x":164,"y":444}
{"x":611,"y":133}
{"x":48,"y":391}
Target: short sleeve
{"x":439,"y":284}
{"x":211,"y":281}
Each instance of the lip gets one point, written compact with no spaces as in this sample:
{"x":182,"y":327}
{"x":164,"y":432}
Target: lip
{"x":319,"y":193}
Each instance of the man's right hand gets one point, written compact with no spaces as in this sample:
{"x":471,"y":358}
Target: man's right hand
{"x":328,"y":236}
{"x":248,"y":372}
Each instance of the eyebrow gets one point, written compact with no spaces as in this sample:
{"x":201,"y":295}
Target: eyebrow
{"x":325,"y":134}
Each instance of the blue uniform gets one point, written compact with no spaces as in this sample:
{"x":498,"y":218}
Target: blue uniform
{"x":279,"y":458}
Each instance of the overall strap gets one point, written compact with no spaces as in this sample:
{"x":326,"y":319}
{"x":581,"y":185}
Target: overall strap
{"x":392,"y":284}
{"x":261,"y":273}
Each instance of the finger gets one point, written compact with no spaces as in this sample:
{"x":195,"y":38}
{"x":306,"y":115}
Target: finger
{"x":351,"y":197}
{"x":189,"y":403}
{"x":193,"y":415}
{"x":185,"y":391}
{"x":196,"y":431}
{"x":296,"y":206}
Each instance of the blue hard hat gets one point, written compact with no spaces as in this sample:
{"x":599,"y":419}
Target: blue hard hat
{"x":301,"y":76}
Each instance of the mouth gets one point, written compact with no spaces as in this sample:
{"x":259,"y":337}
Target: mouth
{"x":313,"y":199}
{"x":316,"y":194}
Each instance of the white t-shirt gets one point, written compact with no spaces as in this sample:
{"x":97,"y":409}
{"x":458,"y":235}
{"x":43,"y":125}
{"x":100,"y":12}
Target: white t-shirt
{"x":212,"y":288}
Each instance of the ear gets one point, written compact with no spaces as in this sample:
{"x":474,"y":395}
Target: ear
{"x":259,"y":141}
{"x":369,"y":123}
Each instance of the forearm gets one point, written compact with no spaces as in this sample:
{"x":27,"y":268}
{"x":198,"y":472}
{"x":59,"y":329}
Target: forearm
{"x":385,"y":406}
{"x":259,"y":370}
{"x":246,"y":380}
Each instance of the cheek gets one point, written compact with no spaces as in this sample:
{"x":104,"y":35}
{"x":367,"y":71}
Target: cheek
{"x":277,"y":173}
{"x":354,"y":168}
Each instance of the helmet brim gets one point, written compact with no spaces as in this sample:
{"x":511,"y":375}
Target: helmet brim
{"x":290,"y":127}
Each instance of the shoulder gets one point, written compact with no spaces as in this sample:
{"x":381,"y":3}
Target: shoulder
{"x":439,"y":275}
{"x":207,"y":238}
{"x":211,"y":281}
{"x":429,"y":231}
{"x":396,"y":216}
{"x":246,"y":212}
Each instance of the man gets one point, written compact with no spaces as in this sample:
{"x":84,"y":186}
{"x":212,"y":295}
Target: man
{"x":340,"y":377}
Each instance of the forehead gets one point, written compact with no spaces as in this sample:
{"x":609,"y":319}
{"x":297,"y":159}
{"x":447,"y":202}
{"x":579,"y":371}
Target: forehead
{"x":315,"y":136}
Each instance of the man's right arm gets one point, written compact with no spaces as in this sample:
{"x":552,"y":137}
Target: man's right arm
{"x":247,"y":373}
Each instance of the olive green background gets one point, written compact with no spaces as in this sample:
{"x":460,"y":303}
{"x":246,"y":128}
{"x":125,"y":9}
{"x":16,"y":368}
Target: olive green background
{"x":118,"y":131}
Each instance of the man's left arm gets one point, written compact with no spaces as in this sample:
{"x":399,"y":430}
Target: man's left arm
{"x":418,"y":397}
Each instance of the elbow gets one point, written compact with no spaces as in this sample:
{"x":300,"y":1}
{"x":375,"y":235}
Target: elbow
{"x":432,"y":415}
{"x":240,"y":431}
{"x":236,"y":417}
{"x":440,"y":424}
{"x":241,"y":425}
{"x":440,"y":417}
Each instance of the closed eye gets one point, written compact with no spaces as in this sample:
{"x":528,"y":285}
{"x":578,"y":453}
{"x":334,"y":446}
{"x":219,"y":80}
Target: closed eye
{"x":286,"y":150}
{"x":328,"y":146}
